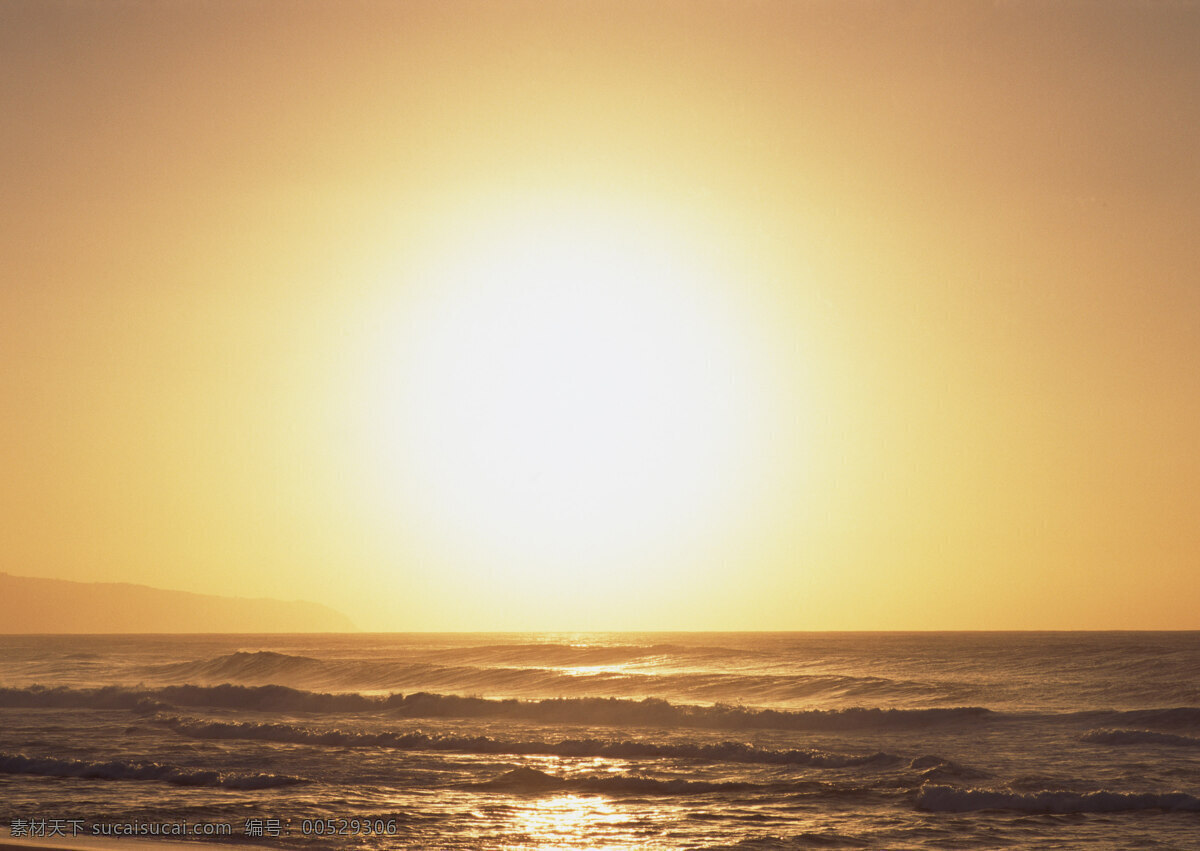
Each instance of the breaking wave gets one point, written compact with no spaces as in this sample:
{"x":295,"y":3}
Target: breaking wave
{"x":581,"y":710}
{"x":118,"y":770}
{"x":939,"y":770}
{"x":949,"y":799}
{"x":1140,"y":737}
{"x":658,"y":712}
{"x":417,"y":740}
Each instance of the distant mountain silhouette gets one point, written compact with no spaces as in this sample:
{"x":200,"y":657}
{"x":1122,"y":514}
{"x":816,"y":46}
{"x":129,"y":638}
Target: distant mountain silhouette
{"x":29,"y":604}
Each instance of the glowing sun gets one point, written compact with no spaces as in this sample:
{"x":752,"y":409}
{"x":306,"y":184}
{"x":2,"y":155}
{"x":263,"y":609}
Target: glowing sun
{"x":565,"y":389}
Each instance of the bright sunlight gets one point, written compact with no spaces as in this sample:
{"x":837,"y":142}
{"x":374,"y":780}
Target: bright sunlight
{"x":563,"y":395}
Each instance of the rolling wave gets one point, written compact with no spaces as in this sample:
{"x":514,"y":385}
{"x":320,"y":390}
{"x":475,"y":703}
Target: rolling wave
{"x":241,"y":665}
{"x":253,"y":698}
{"x":530,"y":671}
{"x":530,"y":780}
{"x":952,"y":800}
{"x":1179,"y":716}
{"x":570,"y":655}
{"x":417,"y":740}
{"x":119,"y":770}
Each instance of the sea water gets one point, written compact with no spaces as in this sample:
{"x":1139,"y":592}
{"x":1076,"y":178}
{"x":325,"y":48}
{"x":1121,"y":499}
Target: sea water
{"x":696,"y":740}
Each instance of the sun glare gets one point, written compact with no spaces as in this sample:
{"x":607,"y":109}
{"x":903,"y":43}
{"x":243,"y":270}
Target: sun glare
{"x":574,"y":821}
{"x":562,"y":394}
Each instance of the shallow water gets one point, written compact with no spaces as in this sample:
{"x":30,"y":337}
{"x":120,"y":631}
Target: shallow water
{"x":699,"y":740}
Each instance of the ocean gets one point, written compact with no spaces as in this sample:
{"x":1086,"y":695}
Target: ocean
{"x":618,"y":740}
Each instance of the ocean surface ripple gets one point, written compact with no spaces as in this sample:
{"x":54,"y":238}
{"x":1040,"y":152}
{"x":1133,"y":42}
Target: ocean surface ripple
{"x":749,"y":741}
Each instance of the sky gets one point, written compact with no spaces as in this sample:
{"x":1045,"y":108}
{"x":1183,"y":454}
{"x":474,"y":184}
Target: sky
{"x":607,"y":315}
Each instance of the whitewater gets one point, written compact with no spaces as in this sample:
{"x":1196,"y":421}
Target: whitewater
{"x":614,"y":740}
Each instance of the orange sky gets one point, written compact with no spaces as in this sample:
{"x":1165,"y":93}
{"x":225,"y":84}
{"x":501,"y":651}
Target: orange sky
{"x":879,"y":315}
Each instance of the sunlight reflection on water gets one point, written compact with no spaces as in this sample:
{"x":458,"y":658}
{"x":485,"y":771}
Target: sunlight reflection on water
{"x":574,"y":821}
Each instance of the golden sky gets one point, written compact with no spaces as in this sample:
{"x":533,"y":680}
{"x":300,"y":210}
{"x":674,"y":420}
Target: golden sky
{"x":603,"y":315}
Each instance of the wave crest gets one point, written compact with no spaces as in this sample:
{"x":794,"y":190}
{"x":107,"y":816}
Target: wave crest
{"x":530,"y":780}
{"x":591,"y":747}
{"x":952,"y":800}
{"x":538,"y":671}
{"x":1179,"y":716}
{"x":577,"y":710}
{"x":120,"y":770}
{"x":1139,"y":737}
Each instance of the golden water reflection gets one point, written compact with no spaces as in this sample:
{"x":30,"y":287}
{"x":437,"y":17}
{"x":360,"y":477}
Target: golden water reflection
{"x":574,"y":821}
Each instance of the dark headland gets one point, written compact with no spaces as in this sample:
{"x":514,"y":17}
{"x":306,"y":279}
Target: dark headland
{"x":36,"y":605}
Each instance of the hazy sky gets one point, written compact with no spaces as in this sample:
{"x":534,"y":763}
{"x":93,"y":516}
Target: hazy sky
{"x":577,"y":315}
